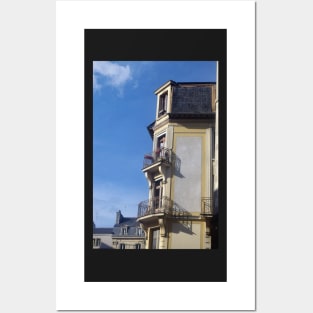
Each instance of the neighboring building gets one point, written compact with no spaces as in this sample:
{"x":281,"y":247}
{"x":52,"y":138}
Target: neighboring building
{"x":102,"y":237}
{"x":127,"y":233}
{"x":180,"y":169}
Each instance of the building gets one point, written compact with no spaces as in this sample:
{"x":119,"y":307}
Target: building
{"x":102,"y":237}
{"x":179,"y":212}
{"x":127,"y":233}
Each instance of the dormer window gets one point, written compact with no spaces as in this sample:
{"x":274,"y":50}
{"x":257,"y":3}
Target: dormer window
{"x":163,"y":104}
{"x":124,"y":230}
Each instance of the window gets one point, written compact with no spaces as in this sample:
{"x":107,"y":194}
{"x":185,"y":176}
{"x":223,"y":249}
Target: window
{"x":96,"y":242}
{"x":139,"y":231}
{"x":137,"y":246}
{"x":122,"y":246}
{"x":163,"y":104}
{"x":155,"y":233}
{"x":124,"y":231}
{"x":157,"y":195}
{"x":160,"y":146}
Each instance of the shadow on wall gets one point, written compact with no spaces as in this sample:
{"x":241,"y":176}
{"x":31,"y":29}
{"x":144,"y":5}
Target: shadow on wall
{"x":177,"y":164}
{"x":183,"y":227}
{"x":185,"y":224}
{"x":183,"y":218}
{"x":105,"y":246}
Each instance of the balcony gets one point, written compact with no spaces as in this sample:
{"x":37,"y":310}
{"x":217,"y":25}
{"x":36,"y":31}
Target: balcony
{"x":154,"y":206}
{"x":160,"y":156}
{"x":207,"y":206}
{"x":164,"y":205}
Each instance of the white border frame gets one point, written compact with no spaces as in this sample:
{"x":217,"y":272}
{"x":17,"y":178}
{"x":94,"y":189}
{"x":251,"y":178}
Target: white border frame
{"x":238,"y":17}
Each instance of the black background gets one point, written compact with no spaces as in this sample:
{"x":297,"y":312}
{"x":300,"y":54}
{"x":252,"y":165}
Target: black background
{"x":155,"y":265}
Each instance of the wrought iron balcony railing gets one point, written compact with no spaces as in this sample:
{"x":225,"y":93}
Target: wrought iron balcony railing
{"x":154,"y":206}
{"x":207,"y":206}
{"x":167,"y":206}
{"x":163,"y":154}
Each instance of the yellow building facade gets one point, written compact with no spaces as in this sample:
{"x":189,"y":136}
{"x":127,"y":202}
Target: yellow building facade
{"x":179,"y":211}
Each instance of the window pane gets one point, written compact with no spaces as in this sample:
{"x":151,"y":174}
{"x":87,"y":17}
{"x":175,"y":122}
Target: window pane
{"x":155,"y":239}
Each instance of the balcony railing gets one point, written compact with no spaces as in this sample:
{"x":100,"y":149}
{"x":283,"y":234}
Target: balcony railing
{"x":207,"y":206}
{"x":163,"y":154}
{"x":161,"y":205}
{"x":166,"y":205}
{"x":154,"y":206}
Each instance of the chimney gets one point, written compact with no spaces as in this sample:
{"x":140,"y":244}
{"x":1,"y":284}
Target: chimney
{"x":119,"y":217}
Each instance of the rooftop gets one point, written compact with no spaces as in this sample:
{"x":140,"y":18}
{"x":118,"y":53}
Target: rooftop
{"x":185,"y":84}
{"x":99,"y":230}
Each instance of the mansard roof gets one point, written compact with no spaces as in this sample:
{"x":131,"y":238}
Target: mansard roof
{"x":102,"y":231}
{"x":183,"y":84}
{"x":132,"y":226}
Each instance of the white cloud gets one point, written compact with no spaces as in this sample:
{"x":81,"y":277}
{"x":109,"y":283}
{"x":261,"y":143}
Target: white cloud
{"x":114,"y":75}
{"x":96,"y":85}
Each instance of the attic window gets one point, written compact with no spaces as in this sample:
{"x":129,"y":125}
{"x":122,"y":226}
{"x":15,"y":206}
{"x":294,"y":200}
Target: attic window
{"x":124,"y":231}
{"x":163,"y":104}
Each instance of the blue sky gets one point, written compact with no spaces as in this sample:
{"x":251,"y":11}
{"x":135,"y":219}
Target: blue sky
{"x":124,"y":104}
